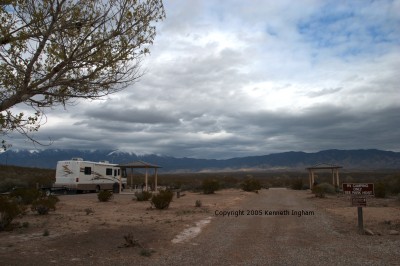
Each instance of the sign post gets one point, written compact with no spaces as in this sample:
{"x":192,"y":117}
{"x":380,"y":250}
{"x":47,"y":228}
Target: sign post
{"x":359,"y":193}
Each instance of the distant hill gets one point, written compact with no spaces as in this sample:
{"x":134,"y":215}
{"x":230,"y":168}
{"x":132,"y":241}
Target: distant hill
{"x":350,"y":159}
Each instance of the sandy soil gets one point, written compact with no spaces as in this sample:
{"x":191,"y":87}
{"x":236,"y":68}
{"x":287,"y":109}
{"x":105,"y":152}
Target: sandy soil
{"x":85,"y":231}
{"x":82,"y":228}
{"x":380,"y":215}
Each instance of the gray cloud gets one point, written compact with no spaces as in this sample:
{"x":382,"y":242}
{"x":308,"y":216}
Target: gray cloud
{"x":239,"y":79}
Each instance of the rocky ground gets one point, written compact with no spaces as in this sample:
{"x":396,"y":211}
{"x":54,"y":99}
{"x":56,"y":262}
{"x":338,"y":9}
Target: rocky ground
{"x":84,"y":231}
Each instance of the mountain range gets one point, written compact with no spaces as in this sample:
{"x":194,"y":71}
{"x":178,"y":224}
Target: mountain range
{"x":370,"y":159}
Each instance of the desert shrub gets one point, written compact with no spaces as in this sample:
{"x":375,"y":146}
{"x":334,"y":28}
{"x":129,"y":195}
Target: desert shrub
{"x":393,"y":184}
{"x":176,"y":185}
{"x":146,"y":252}
{"x":322,"y":189}
{"x":9,"y":209}
{"x":162,"y":199}
{"x":251,"y":184}
{"x":380,"y":190}
{"x":143,"y":196}
{"x":26,"y":196}
{"x":44,"y":204}
{"x":209,"y":186}
{"x":297,"y":184}
{"x":8,"y":184}
{"x":198,"y":203}
{"x":89,"y":211}
{"x":104,"y":195}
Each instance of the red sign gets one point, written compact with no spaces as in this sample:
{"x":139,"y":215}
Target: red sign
{"x":362,"y":189}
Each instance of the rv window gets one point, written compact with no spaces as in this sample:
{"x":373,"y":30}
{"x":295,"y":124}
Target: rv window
{"x":88,"y":170}
{"x":119,"y":172}
{"x":115,"y":172}
{"x":108,"y":171}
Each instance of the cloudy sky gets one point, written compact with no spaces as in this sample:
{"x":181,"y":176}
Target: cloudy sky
{"x":237,"y":78}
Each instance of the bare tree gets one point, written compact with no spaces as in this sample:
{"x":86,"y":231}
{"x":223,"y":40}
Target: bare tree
{"x":54,"y":51}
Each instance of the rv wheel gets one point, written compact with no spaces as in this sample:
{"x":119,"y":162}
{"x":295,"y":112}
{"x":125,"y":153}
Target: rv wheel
{"x":97,"y":189}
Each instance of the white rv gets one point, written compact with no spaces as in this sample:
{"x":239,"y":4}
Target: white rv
{"x":80,"y":175}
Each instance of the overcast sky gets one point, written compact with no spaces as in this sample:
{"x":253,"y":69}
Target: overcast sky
{"x":236,"y":78}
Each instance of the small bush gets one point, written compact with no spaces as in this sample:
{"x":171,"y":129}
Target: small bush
{"x":143,"y":196}
{"x":146,"y":252}
{"x":209,"y":186}
{"x":297,"y":184}
{"x":8,"y":184}
{"x":26,"y":196}
{"x":393,"y":184}
{"x":162,"y":199}
{"x":198,"y":203}
{"x":380,"y":190}
{"x":251,"y":185}
{"x":45,"y":204}
{"x":105,"y":195}
{"x":322,"y":189}
{"x":89,"y":211}
{"x":8,"y":211}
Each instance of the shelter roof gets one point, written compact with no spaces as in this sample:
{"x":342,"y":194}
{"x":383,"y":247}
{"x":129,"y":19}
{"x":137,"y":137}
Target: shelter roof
{"x":324,"y":166}
{"x":138,"y":164}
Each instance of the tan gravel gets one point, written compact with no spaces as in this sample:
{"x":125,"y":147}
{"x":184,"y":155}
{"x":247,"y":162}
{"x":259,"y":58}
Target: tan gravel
{"x":266,"y":231}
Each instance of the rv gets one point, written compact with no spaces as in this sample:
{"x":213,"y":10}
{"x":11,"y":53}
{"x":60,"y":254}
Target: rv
{"x":80,"y":175}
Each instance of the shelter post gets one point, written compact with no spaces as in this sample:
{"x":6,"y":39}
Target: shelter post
{"x":131,"y":179}
{"x":146,"y":177}
{"x":120,"y":184}
{"x":155,"y":179}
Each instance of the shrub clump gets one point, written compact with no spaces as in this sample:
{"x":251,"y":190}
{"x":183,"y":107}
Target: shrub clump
{"x":8,"y":184}
{"x":198,"y":203}
{"x":251,"y":185}
{"x":9,"y":209}
{"x":105,"y":195}
{"x":26,"y":196}
{"x":143,"y":196}
{"x":380,"y":190}
{"x":320,"y":190}
{"x":209,"y":186}
{"x":44,"y":204}
{"x":297,"y":184}
{"x":162,"y":199}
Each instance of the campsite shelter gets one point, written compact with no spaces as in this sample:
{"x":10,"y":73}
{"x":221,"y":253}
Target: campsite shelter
{"x":143,"y":165}
{"x":324,"y":166}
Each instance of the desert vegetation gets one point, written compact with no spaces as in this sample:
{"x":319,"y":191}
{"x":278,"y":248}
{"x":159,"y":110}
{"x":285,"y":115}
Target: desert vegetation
{"x":209,"y":186}
{"x":251,"y":185}
{"x":162,"y":199}
{"x":17,"y":202}
{"x":387,"y":183}
{"x":104,"y":195}
{"x":320,"y":190}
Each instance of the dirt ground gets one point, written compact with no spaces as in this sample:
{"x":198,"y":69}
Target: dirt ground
{"x":85,"y":231}
{"x":380,"y":216}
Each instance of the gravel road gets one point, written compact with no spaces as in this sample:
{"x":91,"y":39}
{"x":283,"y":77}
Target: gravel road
{"x":270,"y":231}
